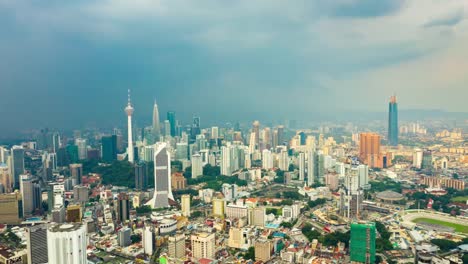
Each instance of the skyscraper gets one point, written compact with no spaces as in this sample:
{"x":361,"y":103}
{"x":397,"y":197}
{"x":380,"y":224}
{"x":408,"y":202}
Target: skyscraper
{"x":362,"y":243}
{"x":302,"y":166}
{"x":172,"y":122}
{"x":17,"y":164}
{"x":185,"y":204}
{"x":197,"y":166}
{"x":256,"y":131}
{"x":76,"y":172}
{"x":177,"y":246}
{"x":123,"y":207}
{"x":369,"y":149}
{"x":81,"y":144}
{"x":203,"y":245}
{"x":310,"y":167}
{"x":141,"y":176}
{"x":36,"y":237}
{"x":156,"y":127}
{"x":226,"y":161}
{"x":66,"y":243}
{"x":195,"y":130}
{"x":109,"y":148}
{"x":11,"y":211}
{"x":162,"y":177}
{"x":393,"y":122}
{"x":31,"y":193}
{"x":129,"y":110}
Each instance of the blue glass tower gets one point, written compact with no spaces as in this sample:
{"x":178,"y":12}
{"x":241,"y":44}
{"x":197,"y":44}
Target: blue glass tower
{"x":172,"y":121}
{"x":393,"y":122}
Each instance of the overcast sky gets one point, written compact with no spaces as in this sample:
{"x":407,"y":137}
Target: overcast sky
{"x":71,"y":62}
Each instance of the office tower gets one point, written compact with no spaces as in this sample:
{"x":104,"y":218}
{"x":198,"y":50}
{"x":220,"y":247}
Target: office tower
{"x":229,"y":191}
{"x":36,"y":238}
{"x":123,"y":237}
{"x":11,"y":208}
{"x":310,"y":167}
{"x":283,"y":161}
{"x":123,"y":208}
{"x":301,"y":161}
{"x":427,"y":160}
{"x":156,"y":128}
{"x":214,"y":132}
{"x":369,"y":150}
{"x":226,"y":161}
{"x":203,"y":245}
{"x":178,"y":181}
{"x":80,"y":194}
{"x":73,"y":213}
{"x":185,"y":204}
{"x":129,"y":111}
{"x":109,"y":148}
{"x":148,"y":239}
{"x":417,"y":158}
{"x":176,"y":246}
{"x":162,"y":177}
{"x":4,"y":154}
{"x":58,"y":214}
{"x":171,"y":117}
{"x":17,"y":164}
{"x":167,"y":128}
{"x":257,"y":216}
{"x":197,"y":166}
{"x":219,"y":206}
{"x":263,"y":250}
{"x":31,"y":194}
{"x":280,"y":135}
{"x":5,"y":177}
{"x":274,"y":139}
{"x":393,"y":122}
{"x":195,"y":130}
{"x":267,"y":159}
{"x":362,"y":243}
{"x":82,"y":145}
{"x":66,"y":243}
{"x":256,"y":131}
{"x":76,"y":172}
{"x":182,"y":151}
{"x":141,"y":176}
{"x":72,"y":154}
{"x":266,"y":138}
{"x":363,"y":175}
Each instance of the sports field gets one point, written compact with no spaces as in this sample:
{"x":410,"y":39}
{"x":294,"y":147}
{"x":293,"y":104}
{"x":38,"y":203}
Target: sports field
{"x":460,"y":199}
{"x":457,"y":227}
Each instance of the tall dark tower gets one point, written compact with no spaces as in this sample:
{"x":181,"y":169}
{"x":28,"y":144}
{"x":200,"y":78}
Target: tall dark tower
{"x":393,"y":122}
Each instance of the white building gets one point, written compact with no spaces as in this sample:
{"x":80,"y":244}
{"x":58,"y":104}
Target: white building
{"x":203,"y":245}
{"x":197,"y":165}
{"x":267,"y":159}
{"x":66,"y":243}
{"x":162,"y":177}
{"x":301,"y":162}
{"x":185,"y":204}
{"x":226,"y":161}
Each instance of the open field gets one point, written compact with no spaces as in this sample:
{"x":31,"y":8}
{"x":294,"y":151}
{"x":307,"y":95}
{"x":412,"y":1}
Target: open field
{"x":458,"y":227}
{"x":461,"y":199}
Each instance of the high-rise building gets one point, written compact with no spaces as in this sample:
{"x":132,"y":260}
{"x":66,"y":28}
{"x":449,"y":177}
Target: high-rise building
{"x":257,"y":216}
{"x":74,"y":214}
{"x":5,"y":178}
{"x":129,"y":111}
{"x":31,"y":193}
{"x":66,"y":243}
{"x":11,"y":208}
{"x":195,"y":129}
{"x":417,"y":158}
{"x":267,"y":159}
{"x":36,"y":238}
{"x":226,"y":161}
{"x":203,"y":245}
{"x":177,"y":246}
{"x":263,"y":250}
{"x":302,"y":166}
{"x":148,"y":239}
{"x":82,"y":148}
{"x":283,"y":160}
{"x":310,"y":167}
{"x":427,"y":162}
{"x":123,"y":237}
{"x":109,"y":148}
{"x":182,"y":151}
{"x":171,"y":117}
{"x":162,"y":177}
{"x":219,"y":206}
{"x":185,"y":204}
{"x":156,"y":127}
{"x":141,"y":176}
{"x":369,"y":150}
{"x":393,"y":122}
{"x":363,"y":174}
{"x":256,"y":131}
{"x":197,"y":166}
{"x":71,"y":154}
{"x":362,"y":243}
{"x":123,"y":208}
{"x":76,"y":172}
{"x":17,"y":164}
{"x":214,"y":133}
{"x":80,"y":193}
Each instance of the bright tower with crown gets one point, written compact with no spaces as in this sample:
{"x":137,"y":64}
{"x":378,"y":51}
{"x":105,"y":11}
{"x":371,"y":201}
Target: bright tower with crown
{"x":129,"y":111}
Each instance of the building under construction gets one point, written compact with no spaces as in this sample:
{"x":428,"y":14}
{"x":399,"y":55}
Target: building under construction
{"x":362,"y":244}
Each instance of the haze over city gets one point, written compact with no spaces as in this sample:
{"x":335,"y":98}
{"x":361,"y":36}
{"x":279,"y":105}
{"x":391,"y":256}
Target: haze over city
{"x":66,"y":64}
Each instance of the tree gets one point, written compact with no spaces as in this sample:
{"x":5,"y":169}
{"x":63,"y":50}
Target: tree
{"x":145,"y":209}
{"x":135,"y":238}
{"x":444,"y":244}
{"x":250,"y":254}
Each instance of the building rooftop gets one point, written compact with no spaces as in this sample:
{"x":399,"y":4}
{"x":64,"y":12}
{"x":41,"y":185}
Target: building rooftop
{"x":390,"y":196}
{"x":68,"y":227}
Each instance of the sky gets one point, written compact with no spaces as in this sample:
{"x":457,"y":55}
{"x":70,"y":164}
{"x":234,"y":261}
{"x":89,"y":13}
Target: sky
{"x":70,"y":63}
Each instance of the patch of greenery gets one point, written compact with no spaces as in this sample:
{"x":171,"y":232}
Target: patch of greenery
{"x":457,"y":227}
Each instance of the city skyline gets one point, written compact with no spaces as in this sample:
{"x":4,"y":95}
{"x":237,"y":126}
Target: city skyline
{"x":318,"y":60}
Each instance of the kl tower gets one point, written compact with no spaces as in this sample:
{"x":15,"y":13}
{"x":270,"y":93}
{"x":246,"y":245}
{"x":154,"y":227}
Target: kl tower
{"x":129,"y":110}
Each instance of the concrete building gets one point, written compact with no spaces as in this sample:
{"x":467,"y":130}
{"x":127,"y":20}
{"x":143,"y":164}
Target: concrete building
{"x":203,"y":245}
{"x":197,"y":165}
{"x":176,"y":246}
{"x":66,"y":243}
{"x":162,"y":177}
{"x":80,"y":194}
{"x":123,"y":237}
{"x":263,"y":250}
{"x":218,"y":207}
{"x":185,"y":205}
{"x":36,"y":238}
{"x":148,"y":239}
{"x":76,"y":172}
{"x":11,"y":211}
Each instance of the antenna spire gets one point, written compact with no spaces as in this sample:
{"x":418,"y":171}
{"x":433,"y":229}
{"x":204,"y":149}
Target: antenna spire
{"x":129,"y":101}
